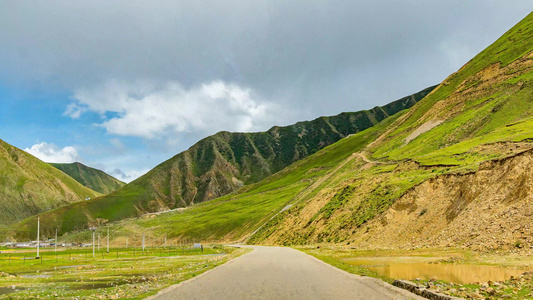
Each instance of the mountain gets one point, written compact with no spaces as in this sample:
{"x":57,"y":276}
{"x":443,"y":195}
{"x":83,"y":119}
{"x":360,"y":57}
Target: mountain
{"x":219,"y":165}
{"x":92,"y":178}
{"x":222,"y":163}
{"x":453,"y":171}
{"x":29,"y":186}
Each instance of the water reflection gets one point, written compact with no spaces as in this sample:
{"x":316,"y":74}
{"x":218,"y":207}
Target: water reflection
{"x":421,"y":267}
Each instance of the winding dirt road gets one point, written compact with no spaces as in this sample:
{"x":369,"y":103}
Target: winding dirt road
{"x":281,"y":273}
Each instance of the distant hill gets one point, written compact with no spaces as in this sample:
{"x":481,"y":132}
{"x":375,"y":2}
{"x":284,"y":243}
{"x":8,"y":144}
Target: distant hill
{"x":92,"y":178}
{"x":221,"y":164}
{"x":29,"y":186}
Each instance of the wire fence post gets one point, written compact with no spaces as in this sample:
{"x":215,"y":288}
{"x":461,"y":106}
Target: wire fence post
{"x":107,"y":238}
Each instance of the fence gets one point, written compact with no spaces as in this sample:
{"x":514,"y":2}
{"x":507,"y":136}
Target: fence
{"x":28,"y":257}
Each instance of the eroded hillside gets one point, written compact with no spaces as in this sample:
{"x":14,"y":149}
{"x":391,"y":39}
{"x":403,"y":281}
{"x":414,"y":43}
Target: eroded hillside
{"x":490,"y":208}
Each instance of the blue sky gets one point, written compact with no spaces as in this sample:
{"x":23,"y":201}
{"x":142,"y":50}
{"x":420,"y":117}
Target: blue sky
{"x":124,"y":85}
{"x":33,"y":117}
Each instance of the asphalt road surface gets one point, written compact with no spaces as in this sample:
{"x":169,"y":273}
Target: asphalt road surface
{"x":281,"y":273}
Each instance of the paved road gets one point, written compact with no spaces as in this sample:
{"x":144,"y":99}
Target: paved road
{"x":281,"y":273}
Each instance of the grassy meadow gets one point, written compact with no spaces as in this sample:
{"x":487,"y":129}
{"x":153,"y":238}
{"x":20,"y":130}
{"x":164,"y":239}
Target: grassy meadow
{"x":122,"y":273}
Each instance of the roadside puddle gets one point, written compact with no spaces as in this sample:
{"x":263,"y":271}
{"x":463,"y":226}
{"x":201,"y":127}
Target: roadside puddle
{"x":410,"y":268}
{"x":10,"y":290}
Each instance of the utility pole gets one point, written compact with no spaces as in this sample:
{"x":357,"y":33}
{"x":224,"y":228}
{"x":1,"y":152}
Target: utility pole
{"x":38,"y":229}
{"x":107,"y":238}
{"x":55,"y":250}
{"x":94,"y":230}
{"x":165,"y":240}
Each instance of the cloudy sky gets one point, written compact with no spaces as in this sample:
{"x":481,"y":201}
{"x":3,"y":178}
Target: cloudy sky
{"x":125,"y":85}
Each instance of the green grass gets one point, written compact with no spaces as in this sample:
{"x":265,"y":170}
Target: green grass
{"x":133,"y":274}
{"x":513,"y":45}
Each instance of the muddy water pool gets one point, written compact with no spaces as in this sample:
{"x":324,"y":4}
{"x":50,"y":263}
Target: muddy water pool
{"x":411,"y":268}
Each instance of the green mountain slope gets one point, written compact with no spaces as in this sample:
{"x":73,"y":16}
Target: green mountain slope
{"x":29,"y":186}
{"x":224,"y":162}
{"x":92,"y":178}
{"x":425,"y":178}
{"x":219,"y":165}
{"x":453,"y":170}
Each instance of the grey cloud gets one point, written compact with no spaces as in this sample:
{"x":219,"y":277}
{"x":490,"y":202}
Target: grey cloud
{"x":311,"y":57}
{"x":119,"y":174}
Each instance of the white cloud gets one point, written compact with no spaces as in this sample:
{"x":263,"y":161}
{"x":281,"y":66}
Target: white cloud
{"x":150,"y":110}
{"x":53,"y":154}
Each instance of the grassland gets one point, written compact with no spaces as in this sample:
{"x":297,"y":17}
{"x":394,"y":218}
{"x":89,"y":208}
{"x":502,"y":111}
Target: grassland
{"x":121,"y":273}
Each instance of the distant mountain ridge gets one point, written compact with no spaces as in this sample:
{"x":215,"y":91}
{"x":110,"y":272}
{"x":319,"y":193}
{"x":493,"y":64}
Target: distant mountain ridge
{"x":92,"y":178}
{"x":29,"y":186}
{"x":219,"y":165}
{"x":224,"y":162}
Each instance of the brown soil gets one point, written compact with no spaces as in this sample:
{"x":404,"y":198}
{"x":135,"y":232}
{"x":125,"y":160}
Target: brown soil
{"x":484,"y":210}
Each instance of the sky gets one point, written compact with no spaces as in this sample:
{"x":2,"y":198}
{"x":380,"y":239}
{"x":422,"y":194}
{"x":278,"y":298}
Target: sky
{"x":125,"y":85}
